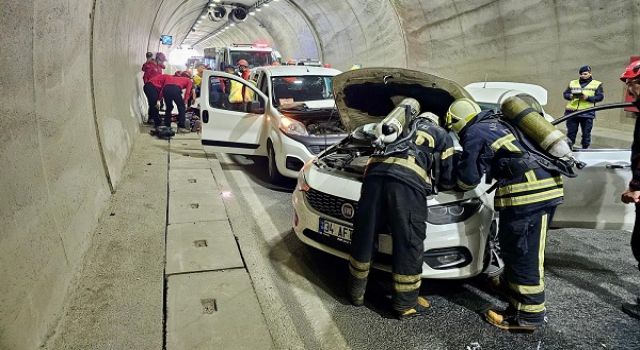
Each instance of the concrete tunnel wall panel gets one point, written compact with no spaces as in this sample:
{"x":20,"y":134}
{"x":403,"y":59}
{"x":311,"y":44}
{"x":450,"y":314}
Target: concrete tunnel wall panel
{"x":53,"y":183}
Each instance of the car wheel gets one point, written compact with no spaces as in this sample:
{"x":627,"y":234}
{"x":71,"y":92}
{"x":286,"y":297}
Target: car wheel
{"x":274,"y":174}
{"x":493,"y":263}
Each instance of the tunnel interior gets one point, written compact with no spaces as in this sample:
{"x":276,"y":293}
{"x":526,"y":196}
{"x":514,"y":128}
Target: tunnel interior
{"x":72,"y":104}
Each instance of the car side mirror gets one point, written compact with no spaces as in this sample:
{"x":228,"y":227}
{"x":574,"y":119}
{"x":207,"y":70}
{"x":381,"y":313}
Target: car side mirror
{"x":255,"y":107}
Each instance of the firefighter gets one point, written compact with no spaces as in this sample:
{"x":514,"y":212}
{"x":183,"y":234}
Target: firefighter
{"x":526,"y":197}
{"x":631,"y":78}
{"x":239,"y":95}
{"x":397,"y":181}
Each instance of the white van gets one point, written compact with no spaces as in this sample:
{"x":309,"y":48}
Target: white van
{"x":289,"y":116}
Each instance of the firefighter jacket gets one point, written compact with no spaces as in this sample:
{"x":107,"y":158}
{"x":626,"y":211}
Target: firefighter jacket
{"x":422,"y":160}
{"x":489,"y":147}
{"x":590,"y":88}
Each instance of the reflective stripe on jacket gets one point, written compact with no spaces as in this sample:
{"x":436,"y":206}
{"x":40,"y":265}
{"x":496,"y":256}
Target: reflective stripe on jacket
{"x":431,"y":149}
{"x":487,"y":143}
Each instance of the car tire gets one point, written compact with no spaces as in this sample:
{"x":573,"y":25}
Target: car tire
{"x":272,"y":168}
{"x":493,"y":265}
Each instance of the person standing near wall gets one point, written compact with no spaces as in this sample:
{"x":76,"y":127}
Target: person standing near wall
{"x":582,"y":93}
{"x":631,"y":78}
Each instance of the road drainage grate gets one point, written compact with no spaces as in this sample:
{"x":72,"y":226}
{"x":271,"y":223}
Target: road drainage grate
{"x":209,"y":306}
{"x":201,"y":243}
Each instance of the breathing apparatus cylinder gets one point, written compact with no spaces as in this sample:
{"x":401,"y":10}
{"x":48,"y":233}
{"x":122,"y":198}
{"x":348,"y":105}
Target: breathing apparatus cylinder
{"x":525,"y":117}
{"x":391,"y":127}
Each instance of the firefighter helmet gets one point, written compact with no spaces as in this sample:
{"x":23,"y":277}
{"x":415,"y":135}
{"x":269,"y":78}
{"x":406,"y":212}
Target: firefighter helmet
{"x":243,"y":62}
{"x":631,"y":72}
{"x":430,"y":116}
{"x":460,"y":113}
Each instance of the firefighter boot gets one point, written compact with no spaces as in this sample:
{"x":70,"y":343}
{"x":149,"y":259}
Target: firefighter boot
{"x":509,"y":320}
{"x":356,"y":288}
{"x":421,"y":307}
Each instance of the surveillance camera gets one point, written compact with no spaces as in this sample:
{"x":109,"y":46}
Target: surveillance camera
{"x":217,"y":13}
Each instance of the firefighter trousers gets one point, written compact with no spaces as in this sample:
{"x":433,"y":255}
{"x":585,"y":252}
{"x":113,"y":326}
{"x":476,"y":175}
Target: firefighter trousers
{"x":388,"y":205}
{"x":522,"y":236}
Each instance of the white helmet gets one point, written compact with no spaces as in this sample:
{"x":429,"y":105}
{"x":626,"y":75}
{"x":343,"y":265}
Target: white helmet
{"x":460,"y":113}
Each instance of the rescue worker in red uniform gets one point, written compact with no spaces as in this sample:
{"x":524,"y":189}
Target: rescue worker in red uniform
{"x":631,"y":78}
{"x":152,"y":90}
{"x":172,"y":93}
{"x":526,"y":197}
{"x":395,"y":187}
{"x":152,"y":69}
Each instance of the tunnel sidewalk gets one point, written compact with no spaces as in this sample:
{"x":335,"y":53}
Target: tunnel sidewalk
{"x":164,"y":269}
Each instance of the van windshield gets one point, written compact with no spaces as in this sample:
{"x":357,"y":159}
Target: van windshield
{"x":291,"y":89}
{"x":254,"y":58}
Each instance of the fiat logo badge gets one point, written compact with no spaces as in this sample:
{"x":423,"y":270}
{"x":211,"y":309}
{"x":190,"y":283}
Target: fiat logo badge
{"x":348,"y":211}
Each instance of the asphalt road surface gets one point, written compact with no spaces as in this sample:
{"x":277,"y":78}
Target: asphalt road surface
{"x":589,"y":273}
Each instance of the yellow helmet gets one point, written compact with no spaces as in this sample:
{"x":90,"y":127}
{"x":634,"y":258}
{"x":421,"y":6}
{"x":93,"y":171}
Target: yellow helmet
{"x":460,"y":113}
{"x":430,"y":116}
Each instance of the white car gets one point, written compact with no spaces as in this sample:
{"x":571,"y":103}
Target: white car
{"x":592,"y":200}
{"x":461,"y":228}
{"x":291,"y":117}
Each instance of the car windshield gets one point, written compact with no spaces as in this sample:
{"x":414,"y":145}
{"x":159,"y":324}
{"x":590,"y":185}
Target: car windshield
{"x":254,"y":58}
{"x":487,"y":106}
{"x":292,"y":89}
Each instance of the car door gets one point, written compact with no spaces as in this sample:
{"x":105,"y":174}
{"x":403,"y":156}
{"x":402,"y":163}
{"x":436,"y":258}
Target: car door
{"x":592,"y":199}
{"x":232,"y":127}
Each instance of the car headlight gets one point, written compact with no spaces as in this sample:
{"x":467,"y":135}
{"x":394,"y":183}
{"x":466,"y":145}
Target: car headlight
{"x":453,"y":212}
{"x":292,"y":127}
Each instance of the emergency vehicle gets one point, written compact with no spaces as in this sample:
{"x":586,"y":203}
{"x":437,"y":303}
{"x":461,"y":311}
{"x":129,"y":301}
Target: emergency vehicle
{"x":256,"y":55}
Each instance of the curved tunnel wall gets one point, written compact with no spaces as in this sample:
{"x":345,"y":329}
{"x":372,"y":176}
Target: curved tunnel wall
{"x":69,"y":97}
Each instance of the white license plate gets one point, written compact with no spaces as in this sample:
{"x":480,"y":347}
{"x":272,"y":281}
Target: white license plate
{"x":340,"y":232}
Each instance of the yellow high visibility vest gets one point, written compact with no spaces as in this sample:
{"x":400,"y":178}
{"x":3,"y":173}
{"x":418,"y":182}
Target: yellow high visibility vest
{"x":235,"y":93}
{"x":589,"y":91}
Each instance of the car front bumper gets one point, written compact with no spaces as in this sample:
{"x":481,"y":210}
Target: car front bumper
{"x":470,"y":236}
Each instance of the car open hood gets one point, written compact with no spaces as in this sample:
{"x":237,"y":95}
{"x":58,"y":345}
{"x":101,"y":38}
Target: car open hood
{"x":368,"y":95}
